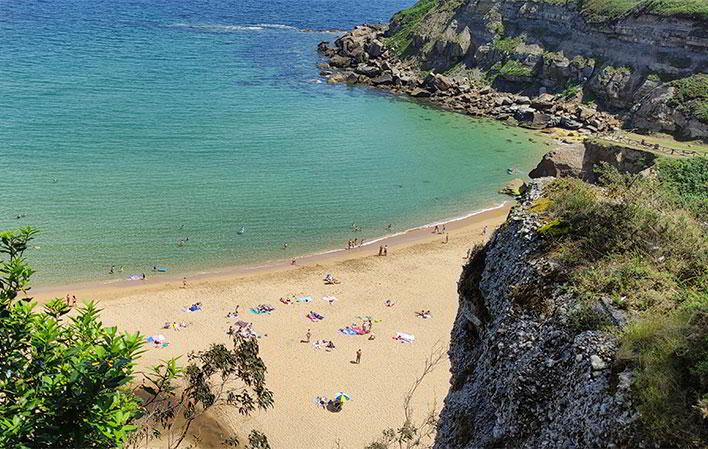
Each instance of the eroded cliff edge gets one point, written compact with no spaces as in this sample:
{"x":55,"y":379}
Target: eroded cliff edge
{"x":521,"y":376}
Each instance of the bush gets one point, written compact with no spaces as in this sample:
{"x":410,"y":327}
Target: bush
{"x":692,"y":96}
{"x":686,"y":180}
{"x":408,"y":21}
{"x":631,"y":242}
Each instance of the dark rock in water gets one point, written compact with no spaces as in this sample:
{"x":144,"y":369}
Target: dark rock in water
{"x":419,"y":93}
{"x":368,"y":70}
{"x":384,"y":78}
{"x":340,"y":61}
{"x":325,"y":48}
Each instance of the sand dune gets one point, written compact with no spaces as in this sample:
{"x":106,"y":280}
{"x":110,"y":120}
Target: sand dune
{"x":420,"y":272}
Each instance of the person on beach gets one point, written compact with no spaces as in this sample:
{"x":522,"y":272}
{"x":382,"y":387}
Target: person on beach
{"x":447,"y":238}
{"x":444,"y":229}
{"x":380,"y":250}
{"x":484,"y":231}
{"x":112,"y":270}
{"x":358,"y":356}
{"x":73,"y":300}
{"x":292,"y":262}
{"x":184,"y":282}
{"x":385,"y":252}
{"x":436,"y":230}
{"x":361,"y":242}
{"x":68,"y":300}
{"x":308,"y":335}
{"x":143,"y":276}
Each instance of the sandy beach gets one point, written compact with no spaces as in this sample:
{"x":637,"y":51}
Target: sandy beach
{"x":420,"y":272}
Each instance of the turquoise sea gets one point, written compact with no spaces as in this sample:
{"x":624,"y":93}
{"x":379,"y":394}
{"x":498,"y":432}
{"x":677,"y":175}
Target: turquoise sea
{"x":126,"y":126}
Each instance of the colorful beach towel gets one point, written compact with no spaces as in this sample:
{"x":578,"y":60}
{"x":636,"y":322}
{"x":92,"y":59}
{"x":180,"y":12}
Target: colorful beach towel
{"x":135,"y":277}
{"x":304,"y":299}
{"x":157,"y":341}
{"x":314,"y":316}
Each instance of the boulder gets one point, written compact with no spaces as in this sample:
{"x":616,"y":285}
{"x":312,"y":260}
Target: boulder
{"x":340,"y":61}
{"x":566,"y":161}
{"x":384,"y":78}
{"x":419,"y":93}
{"x":368,"y":70}
{"x":375,"y":48}
{"x":515,"y":187}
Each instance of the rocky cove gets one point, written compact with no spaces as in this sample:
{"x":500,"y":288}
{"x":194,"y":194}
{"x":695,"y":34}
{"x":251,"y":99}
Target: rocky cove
{"x":537,"y":64}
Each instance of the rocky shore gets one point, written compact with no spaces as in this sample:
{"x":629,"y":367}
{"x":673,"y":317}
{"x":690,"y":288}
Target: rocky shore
{"x":361,"y":57}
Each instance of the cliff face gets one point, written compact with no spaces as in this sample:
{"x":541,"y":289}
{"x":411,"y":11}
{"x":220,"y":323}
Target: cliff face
{"x":627,"y":65}
{"x":580,"y":160}
{"x":522,"y":377}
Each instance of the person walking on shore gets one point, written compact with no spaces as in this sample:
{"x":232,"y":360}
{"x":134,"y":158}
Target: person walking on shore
{"x":380,"y":250}
{"x":184,"y":282}
{"x":358,"y":356}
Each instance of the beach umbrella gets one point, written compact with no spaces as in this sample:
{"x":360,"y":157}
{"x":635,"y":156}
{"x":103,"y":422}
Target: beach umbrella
{"x":342,"y":397}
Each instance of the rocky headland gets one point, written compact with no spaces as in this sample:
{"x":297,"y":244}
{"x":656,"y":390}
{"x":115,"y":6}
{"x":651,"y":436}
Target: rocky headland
{"x":537,"y":63}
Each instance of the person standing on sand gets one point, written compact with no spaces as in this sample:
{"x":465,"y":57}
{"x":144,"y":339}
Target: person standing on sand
{"x":308,"y":335}
{"x":292,"y":262}
{"x":447,"y":238}
{"x":444,"y":229}
{"x":385,"y":250}
{"x":184,"y":282}
{"x":68,"y":299}
{"x":73,"y":300}
{"x":380,"y":250}
{"x":358,"y":356}
{"x":436,"y":230}
{"x":484,"y":231}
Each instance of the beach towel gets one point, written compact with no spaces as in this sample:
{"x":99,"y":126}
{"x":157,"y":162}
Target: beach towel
{"x":157,"y":341}
{"x":258,"y":312}
{"x":329,"y":299}
{"x":192,"y":308}
{"x":347,"y":331}
{"x":404,"y":338}
{"x":135,"y":277}
{"x":314,"y":316}
{"x":304,"y":299}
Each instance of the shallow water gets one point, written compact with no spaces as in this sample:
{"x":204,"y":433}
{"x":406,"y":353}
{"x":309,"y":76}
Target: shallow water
{"x":127,"y":126}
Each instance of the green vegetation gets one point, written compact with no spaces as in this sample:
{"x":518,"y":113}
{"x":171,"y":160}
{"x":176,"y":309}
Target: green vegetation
{"x":632,"y":242}
{"x":686,"y":180}
{"x":692,"y":96}
{"x":515,"y":68}
{"x":604,"y":10}
{"x":571,"y":91}
{"x":507,"y":45}
{"x":408,"y":21}
{"x":68,"y":381}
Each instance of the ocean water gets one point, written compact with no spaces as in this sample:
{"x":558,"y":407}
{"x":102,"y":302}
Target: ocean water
{"x":126,"y":126}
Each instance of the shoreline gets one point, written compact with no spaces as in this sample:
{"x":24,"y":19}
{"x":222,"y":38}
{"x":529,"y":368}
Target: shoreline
{"x":153,"y":282}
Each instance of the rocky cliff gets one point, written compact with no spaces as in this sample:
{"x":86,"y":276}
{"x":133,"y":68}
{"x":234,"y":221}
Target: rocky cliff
{"x":522,"y":375}
{"x":627,"y":63}
{"x":648,"y":67}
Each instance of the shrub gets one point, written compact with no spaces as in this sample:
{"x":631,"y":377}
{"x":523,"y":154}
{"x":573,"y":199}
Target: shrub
{"x":692,"y":96}
{"x":630,"y":241}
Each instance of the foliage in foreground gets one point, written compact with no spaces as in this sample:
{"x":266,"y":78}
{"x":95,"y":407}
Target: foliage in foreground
{"x":632,"y":243}
{"x":65,"y":379}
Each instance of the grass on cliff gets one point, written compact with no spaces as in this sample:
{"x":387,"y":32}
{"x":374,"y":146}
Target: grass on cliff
{"x":605,"y":10}
{"x":409,"y":20}
{"x":692,"y":95}
{"x":638,"y":243}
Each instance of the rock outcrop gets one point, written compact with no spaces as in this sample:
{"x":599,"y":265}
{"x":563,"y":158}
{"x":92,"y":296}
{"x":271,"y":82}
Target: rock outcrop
{"x":580,"y":161}
{"x":360,"y":57}
{"x":626,"y":65}
{"x":522,"y":375}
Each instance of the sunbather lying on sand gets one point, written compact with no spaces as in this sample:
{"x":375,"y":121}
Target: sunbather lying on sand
{"x":425,"y":314}
{"x":389,"y":303}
